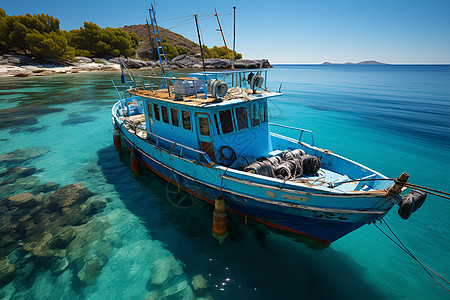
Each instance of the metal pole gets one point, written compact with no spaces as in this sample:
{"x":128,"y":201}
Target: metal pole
{"x":234,"y":32}
{"x":152,"y":48}
{"x":201,"y":52}
{"x":200,"y":42}
{"x":223,"y":37}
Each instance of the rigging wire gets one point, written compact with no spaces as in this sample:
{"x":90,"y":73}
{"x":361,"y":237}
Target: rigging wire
{"x":188,"y":21}
{"x":406,"y":250}
{"x":188,"y":16}
{"x":181,"y":23}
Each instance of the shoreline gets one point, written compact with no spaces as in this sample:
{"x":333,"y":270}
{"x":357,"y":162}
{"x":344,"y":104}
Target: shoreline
{"x":21,"y":66}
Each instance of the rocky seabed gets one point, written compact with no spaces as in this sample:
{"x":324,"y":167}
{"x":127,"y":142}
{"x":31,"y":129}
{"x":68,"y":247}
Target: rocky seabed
{"x":67,"y":242}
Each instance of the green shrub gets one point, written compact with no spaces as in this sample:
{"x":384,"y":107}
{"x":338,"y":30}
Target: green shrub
{"x":103,"y":41}
{"x":38,"y":35}
{"x":219,"y":52}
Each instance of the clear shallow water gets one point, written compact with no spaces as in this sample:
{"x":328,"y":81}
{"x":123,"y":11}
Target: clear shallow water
{"x":391,"y":118}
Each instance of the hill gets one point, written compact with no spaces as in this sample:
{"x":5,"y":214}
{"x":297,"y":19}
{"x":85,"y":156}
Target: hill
{"x":173,"y":38}
{"x":366,"y":62}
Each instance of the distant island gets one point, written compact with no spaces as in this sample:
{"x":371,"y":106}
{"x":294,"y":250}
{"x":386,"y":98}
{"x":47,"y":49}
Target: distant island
{"x":366,"y":62}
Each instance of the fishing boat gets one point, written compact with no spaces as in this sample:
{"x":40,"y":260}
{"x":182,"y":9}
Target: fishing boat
{"x":209,"y":134}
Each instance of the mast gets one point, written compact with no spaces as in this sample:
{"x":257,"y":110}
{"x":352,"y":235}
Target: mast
{"x":201,"y":51}
{"x":150,"y":39}
{"x":223,"y":37}
{"x":234,"y":31}
{"x":200,"y":42}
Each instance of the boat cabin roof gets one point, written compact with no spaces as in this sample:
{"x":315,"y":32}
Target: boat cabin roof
{"x":193,"y":100}
{"x":190,"y":91}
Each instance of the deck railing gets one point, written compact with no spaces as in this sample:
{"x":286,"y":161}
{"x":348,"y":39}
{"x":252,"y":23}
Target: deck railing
{"x":298,"y":129}
{"x":179,"y":149}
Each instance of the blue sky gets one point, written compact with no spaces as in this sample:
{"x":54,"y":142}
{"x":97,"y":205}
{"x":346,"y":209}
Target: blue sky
{"x":313,"y":31}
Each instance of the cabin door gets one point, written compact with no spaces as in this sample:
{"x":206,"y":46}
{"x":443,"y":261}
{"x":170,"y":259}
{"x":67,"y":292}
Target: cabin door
{"x":205,"y":134}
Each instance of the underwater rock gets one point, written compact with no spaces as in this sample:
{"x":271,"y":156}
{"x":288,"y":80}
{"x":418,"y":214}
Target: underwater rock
{"x":41,"y":248}
{"x":78,"y":118}
{"x":94,"y":230}
{"x":50,"y":231}
{"x":21,"y":155}
{"x":24,"y":115}
{"x":8,"y":242}
{"x":23,"y":200}
{"x":63,"y":238}
{"x":13,"y":173}
{"x":27,"y":183}
{"x":68,"y":195}
{"x":165,"y":268}
{"x":46,"y":187}
{"x":59,"y":265}
{"x":27,"y":129}
{"x":90,"y":272}
{"x":7,"y":272}
{"x":93,"y":205}
{"x":199,"y":282}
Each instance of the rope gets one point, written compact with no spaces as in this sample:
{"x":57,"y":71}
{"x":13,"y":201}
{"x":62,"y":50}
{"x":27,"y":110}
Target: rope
{"x":407,"y":184}
{"x":405,"y":249}
{"x":425,"y":188}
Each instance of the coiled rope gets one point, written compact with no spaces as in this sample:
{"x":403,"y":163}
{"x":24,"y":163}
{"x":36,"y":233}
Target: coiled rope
{"x":402,"y":246}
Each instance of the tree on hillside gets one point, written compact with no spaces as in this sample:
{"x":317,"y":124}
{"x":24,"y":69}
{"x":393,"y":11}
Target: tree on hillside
{"x":219,"y":52}
{"x":101,"y":42}
{"x":38,"y":35}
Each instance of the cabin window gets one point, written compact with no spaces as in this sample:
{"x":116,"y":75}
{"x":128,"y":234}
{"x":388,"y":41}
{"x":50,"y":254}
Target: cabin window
{"x":255,"y":116}
{"x":217,"y":124}
{"x":165,"y":115}
{"x":156,"y":109}
{"x":264,"y":111}
{"x":241,"y":116}
{"x":174,"y":115}
{"x":186,"y":119}
{"x":204,"y":126}
{"x":226,"y":121}
{"x":150,"y":111}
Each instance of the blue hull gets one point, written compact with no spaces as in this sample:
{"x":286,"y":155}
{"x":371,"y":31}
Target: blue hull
{"x":324,"y":227}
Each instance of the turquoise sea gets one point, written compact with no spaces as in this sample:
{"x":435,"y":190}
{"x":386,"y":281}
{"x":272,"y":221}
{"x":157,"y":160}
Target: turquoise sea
{"x":393,"y":119}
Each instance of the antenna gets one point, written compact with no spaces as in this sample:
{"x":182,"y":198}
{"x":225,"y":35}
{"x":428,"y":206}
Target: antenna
{"x":234,"y":32}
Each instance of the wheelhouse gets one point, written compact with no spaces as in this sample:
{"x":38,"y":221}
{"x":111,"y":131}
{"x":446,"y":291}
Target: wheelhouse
{"x":237,"y":123}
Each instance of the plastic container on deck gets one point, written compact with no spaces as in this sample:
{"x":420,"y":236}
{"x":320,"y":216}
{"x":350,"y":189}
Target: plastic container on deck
{"x":188,"y":86}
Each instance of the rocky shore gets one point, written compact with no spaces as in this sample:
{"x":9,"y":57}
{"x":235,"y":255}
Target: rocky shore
{"x":23,"y":66}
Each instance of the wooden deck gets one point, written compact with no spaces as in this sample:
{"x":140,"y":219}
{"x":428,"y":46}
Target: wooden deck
{"x":193,"y":100}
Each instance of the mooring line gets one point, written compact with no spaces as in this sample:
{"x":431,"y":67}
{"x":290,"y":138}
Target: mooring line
{"x":406,"y":250}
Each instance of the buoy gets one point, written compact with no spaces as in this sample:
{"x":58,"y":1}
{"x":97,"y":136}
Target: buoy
{"x":116,"y":139}
{"x":135,"y":163}
{"x":219,"y":219}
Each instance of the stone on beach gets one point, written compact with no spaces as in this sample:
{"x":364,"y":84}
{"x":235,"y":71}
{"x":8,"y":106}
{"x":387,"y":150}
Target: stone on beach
{"x":22,"y":66}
